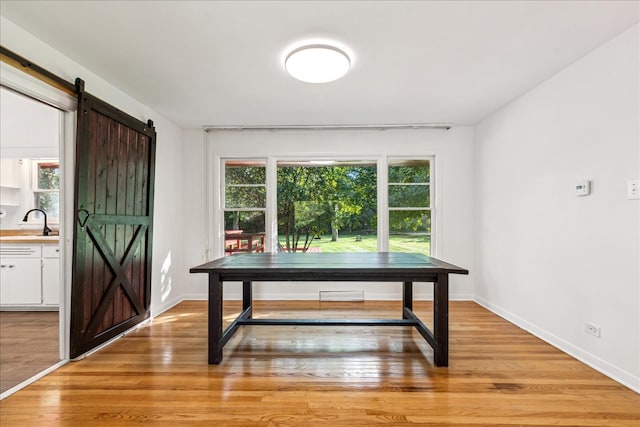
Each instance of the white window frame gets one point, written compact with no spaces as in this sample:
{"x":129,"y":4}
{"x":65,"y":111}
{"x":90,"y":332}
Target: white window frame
{"x":223,"y":195}
{"x":271,"y":226}
{"x":35,"y":189}
{"x":432,"y":196}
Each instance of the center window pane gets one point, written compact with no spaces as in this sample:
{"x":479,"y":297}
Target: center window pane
{"x":327,"y":206}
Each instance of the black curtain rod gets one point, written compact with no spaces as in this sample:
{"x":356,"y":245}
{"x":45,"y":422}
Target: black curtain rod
{"x":37,"y":71}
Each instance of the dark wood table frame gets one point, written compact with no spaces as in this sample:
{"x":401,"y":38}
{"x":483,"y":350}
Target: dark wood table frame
{"x":339,"y":267}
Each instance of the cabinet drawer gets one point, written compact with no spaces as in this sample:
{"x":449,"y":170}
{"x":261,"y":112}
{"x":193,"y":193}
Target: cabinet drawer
{"x":50,"y":251}
{"x":20,"y":251}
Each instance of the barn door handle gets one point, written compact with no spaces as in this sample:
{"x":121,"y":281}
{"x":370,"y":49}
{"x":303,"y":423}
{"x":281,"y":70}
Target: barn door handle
{"x":83,"y":221}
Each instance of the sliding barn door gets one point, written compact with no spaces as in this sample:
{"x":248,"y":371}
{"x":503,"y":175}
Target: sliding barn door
{"x":111,"y":282}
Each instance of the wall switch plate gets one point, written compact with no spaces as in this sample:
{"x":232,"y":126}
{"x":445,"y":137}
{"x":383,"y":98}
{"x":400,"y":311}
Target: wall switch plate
{"x":583,"y":188}
{"x":633,"y":189}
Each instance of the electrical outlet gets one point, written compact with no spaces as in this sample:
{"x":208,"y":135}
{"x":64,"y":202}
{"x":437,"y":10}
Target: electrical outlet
{"x":633,"y":189}
{"x":592,"y":329}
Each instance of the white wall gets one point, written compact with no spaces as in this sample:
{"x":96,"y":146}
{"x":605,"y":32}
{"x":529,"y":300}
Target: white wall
{"x":453,"y":151}
{"x":168,"y":218}
{"x":28,"y":128}
{"x":548,"y":260}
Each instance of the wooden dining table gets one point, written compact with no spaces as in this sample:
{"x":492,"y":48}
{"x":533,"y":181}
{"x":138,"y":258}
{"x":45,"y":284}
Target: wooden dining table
{"x":366,"y":267}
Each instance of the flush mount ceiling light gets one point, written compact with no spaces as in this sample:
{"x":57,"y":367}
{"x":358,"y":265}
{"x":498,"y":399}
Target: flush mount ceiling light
{"x":317,"y":63}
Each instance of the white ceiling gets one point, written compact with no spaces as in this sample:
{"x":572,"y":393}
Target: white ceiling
{"x":220,"y":63}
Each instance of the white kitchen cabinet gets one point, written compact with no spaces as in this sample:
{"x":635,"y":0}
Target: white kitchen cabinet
{"x":10,"y":182}
{"x":50,"y":275}
{"x":30,"y":276}
{"x":21,"y":268}
{"x":10,"y":172}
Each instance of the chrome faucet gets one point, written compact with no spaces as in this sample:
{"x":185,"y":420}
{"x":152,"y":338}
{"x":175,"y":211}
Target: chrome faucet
{"x":46,"y":230}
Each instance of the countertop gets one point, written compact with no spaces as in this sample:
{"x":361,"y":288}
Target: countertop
{"x":30,"y":239}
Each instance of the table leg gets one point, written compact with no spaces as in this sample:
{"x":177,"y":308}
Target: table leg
{"x":441,"y":320}
{"x":407,"y":297}
{"x":215,"y":319}
{"x":247,"y":299}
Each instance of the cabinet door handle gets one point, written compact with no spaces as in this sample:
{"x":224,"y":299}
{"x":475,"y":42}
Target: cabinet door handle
{"x":11,"y":266}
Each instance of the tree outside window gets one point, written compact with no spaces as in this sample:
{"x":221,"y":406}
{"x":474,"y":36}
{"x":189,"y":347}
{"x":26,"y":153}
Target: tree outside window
{"x":46,"y":188}
{"x":322,"y":204}
{"x":410,"y":205}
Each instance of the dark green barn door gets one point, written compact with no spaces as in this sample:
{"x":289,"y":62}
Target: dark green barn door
{"x":111,"y":281}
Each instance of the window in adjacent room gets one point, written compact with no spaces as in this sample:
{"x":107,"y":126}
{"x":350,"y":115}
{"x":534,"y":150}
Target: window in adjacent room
{"x":46,"y":188}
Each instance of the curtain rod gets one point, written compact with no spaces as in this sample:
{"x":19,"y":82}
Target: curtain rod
{"x":445,"y":126}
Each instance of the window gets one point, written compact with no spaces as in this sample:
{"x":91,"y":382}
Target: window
{"x":46,"y":188}
{"x":245,"y":205}
{"x":410,"y":206}
{"x":327,"y":206}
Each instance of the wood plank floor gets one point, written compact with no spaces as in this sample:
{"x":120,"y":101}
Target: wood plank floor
{"x":499,"y":375}
{"x":29,"y":344}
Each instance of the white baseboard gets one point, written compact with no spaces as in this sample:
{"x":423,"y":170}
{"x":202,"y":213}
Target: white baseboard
{"x":197,"y":297}
{"x":166,"y":306}
{"x":623,"y":377}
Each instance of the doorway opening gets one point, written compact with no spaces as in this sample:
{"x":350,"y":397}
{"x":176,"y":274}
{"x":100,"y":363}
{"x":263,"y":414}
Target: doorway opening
{"x":33,"y":321}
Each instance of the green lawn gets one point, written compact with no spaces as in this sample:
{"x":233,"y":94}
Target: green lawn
{"x":349,"y":243}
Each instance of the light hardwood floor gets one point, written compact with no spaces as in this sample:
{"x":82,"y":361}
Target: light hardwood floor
{"x":324,"y":376}
{"x":29,"y":344}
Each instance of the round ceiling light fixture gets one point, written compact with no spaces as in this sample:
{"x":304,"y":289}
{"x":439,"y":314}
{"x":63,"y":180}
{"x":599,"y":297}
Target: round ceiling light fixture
{"x":317,"y":63}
